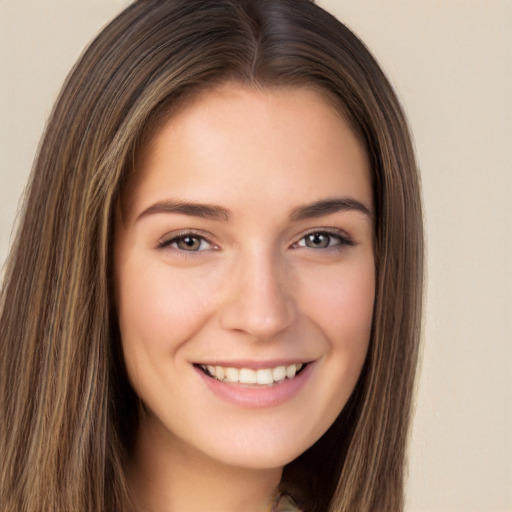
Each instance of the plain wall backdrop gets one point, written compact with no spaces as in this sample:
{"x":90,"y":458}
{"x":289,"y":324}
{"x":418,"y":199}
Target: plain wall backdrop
{"x":451,"y":64}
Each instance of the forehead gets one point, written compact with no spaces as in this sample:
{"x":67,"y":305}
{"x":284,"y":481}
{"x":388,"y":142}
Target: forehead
{"x":234,"y":136}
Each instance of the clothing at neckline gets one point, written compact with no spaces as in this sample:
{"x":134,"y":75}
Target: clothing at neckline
{"x":283,"y":502}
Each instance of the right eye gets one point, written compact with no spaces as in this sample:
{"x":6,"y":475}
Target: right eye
{"x":187,"y":242}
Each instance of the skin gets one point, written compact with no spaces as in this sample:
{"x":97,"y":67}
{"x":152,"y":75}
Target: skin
{"x":254,"y":289}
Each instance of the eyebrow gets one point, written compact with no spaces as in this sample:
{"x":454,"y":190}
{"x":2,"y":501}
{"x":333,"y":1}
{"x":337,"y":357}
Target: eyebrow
{"x":205,"y":211}
{"x":328,"y":207}
{"x":208,"y":211}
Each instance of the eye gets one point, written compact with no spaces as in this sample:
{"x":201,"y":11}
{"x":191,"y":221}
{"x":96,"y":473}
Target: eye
{"x":187,"y":242}
{"x":323,"y":240}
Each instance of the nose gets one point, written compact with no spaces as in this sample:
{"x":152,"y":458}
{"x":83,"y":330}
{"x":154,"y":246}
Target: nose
{"x":258,"y":299}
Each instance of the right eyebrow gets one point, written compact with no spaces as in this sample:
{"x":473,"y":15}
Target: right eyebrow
{"x":205,"y":211}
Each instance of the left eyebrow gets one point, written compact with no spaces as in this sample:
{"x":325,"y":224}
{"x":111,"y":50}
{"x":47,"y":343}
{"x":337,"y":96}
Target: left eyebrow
{"x":327,"y":207}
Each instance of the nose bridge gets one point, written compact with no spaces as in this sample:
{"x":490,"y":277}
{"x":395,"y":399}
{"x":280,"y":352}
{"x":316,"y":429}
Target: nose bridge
{"x":259,"y":300}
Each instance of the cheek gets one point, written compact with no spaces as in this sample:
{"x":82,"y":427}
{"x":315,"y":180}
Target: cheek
{"x":343,"y":310}
{"x":340,"y":304}
{"x":343,"y":305}
{"x":159,"y":310}
{"x":355,"y":304}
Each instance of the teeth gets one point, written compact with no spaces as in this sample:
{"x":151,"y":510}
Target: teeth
{"x":262,"y":377}
{"x":291,"y":371}
{"x":231,"y":374}
{"x":279,"y":373}
{"x":247,"y":376}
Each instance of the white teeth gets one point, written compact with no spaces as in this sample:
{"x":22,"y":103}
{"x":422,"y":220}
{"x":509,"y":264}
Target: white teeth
{"x":279,"y":373}
{"x":231,"y":374}
{"x":219,"y":372}
{"x":262,"y":376}
{"x":247,"y":376}
{"x":291,"y":371}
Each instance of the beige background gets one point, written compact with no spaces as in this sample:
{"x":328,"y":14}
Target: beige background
{"x":450,"y":61}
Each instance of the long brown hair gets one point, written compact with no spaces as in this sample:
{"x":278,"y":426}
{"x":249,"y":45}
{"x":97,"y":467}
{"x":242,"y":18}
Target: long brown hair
{"x":67,"y":414}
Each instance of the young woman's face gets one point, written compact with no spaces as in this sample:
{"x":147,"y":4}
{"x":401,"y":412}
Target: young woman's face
{"x":244,"y":272}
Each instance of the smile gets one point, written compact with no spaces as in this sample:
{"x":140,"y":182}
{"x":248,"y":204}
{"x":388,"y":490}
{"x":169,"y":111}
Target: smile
{"x":249,"y":376}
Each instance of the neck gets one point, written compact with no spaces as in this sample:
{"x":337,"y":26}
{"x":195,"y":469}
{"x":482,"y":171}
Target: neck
{"x":168,"y":476}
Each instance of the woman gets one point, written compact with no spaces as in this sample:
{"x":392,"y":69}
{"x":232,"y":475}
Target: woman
{"x":214,"y":295}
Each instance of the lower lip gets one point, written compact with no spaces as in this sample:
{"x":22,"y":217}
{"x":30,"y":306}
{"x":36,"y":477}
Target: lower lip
{"x":256,"y":397}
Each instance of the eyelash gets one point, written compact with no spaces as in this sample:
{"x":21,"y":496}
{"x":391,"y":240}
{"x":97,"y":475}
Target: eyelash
{"x":342,"y":240}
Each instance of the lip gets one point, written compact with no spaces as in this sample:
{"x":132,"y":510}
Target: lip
{"x":256,"y":397}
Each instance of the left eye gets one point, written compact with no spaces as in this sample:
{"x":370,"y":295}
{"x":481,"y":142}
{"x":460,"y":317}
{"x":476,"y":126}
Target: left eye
{"x":321,"y":240}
